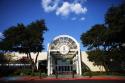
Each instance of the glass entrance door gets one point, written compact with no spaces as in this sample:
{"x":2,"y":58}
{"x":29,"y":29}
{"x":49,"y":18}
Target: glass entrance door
{"x":67,"y":69}
{"x":63,"y":67}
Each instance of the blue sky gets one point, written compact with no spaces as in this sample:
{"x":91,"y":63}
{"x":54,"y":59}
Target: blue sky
{"x":71,"y":17}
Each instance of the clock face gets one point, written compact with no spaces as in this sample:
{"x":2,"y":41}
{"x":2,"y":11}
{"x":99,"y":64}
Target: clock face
{"x":64,"y":49}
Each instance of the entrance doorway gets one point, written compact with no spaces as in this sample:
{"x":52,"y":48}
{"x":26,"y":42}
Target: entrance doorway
{"x":67,"y":69}
{"x":63,"y":67}
{"x":64,"y":56}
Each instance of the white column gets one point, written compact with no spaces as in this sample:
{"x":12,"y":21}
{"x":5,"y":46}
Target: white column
{"x":51,"y":65}
{"x":77,"y":64}
{"x":48,"y":61}
{"x":48,"y":66}
{"x":79,"y":61}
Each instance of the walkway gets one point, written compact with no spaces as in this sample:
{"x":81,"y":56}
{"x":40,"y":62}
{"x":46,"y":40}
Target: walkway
{"x":95,"y":79}
{"x":65,"y":78}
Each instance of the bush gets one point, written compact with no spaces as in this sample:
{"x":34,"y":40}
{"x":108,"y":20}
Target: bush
{"x":23,"y":72}
{"x":89,"y":73}
{"x":17,"y":72}
{"x":102,"y":73}
{"x":43,"y":75}
{"x":38,"y":73}
{"x":27,"y":71}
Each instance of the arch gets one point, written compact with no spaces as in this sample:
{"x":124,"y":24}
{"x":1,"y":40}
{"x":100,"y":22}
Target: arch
{"x":66,"y":36}
{"x":64,"y":47}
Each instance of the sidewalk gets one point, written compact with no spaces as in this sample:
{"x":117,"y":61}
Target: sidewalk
{"x":70,"y":78}
{"x":79,"y":78}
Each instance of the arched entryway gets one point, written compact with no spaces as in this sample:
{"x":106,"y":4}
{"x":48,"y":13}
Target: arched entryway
{"x":63,"y":56}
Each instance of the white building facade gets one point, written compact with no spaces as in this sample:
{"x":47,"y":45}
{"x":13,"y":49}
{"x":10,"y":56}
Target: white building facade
{"x":64,"y":56}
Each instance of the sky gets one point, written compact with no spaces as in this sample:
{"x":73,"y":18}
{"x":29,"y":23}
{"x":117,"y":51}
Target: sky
{"x":69,"y":17}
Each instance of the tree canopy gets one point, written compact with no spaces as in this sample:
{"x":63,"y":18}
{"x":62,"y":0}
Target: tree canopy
{"x":105,"y":42}
{"x":24,"y":39}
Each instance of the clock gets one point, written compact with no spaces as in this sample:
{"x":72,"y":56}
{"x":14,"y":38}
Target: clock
{"x":64,"y":49}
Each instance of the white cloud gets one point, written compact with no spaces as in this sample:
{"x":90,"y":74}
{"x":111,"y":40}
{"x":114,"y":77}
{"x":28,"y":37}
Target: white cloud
{"x":64,"y":10}
{"x":74,"y":18}
{"x":1,"y":34}
{"x":82,"y":18}
{"x":68,"y":8}
{"x":49,"y":5}
{"x":78,"y":9}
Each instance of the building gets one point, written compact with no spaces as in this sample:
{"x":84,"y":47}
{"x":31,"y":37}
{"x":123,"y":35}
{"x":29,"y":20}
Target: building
{"x":64,"y":56}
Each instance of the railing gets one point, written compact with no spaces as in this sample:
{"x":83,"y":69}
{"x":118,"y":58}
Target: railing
{"x":63,"y":69}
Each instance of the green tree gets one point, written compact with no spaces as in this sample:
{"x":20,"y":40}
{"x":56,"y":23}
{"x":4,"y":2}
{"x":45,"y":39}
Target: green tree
{"x":115,"y":20}
{"x":25,"y":39}
{"x":94,"y":40}
{"x":105,"y":42}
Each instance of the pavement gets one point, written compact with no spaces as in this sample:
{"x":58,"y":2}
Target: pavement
{"x":37,"y":79}
{"x":77,"y":78}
